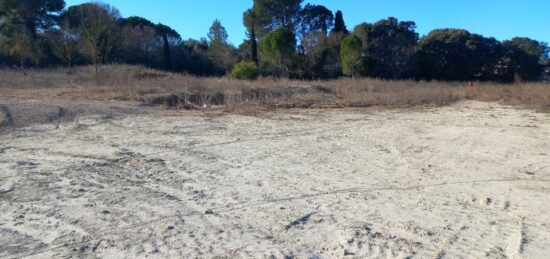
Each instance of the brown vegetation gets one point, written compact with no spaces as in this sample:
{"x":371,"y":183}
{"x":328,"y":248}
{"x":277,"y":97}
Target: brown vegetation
{"x":129,"y":83}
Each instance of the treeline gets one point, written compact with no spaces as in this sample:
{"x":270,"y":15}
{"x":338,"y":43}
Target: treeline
{"x":285,"y":38}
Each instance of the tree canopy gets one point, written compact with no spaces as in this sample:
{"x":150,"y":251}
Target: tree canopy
{"x":278,"y":48}
{"x":33,"y":15}
{"x":286,"y":38}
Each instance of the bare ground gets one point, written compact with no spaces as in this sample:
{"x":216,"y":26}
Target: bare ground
{"x":469,"y":180}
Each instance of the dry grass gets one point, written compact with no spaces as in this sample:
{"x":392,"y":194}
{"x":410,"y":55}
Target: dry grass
{"x":130,"y":83}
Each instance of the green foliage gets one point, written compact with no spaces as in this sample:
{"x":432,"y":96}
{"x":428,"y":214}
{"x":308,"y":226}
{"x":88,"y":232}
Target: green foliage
{"x":339,"y":24}
{"x":97,"y":26}
{"x":21,"y":46}
{"x":453,"y":54}
{"x":278,"y":48}
{"x":41,"y":33}
{"x":34,"y":15}
{"x":444,"y":55}
{"x":245,"y":71}
{"x":217,"y":33}
{"x":315,"y":18}
{"x":522,"y":58}
{"x":273,"y":14}
{"x":222,"y":54}
{"x":351,"y":54}
{"x":249,"y":21}
{"x":392,"y":44}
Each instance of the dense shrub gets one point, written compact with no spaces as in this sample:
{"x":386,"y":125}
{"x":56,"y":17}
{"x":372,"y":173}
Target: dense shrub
{"x":245,"y":71}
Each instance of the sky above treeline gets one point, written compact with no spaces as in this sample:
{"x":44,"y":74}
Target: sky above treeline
{"x":502,"y":19}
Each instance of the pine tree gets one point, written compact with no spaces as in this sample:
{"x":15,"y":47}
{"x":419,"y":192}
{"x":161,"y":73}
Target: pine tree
{"x":339,"y":24}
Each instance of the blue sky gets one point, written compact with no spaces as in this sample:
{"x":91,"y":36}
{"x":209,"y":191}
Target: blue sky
{"x":502,"y":19}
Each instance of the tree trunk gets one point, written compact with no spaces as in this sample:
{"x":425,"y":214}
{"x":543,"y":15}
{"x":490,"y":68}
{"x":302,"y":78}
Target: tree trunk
{"x":254,"y":46}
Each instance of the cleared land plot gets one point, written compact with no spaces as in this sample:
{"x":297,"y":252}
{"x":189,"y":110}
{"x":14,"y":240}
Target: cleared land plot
{"x":471,"y":180}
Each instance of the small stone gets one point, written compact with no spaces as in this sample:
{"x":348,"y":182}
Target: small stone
{"x":209,"y":212}
{"x":171,"y":227}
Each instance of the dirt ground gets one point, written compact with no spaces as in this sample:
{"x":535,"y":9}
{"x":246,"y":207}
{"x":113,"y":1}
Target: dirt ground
{"x":470,"y":180}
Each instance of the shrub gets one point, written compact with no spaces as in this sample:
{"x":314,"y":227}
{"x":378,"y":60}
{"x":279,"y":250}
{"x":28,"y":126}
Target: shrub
{"x":245,"y":71}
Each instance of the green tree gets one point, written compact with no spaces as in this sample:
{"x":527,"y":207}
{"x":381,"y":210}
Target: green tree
{"x":314,"y":23}
{"x":453,"y":54}
{"x":278,"y":48}
{"x":315,"y":18}
{"x":97,"y":27}
{"x":272,"y":14}
{"x":139,"y":42}
{"x":21,"y":46}
{"x":22,"y":22}
{"x":351,"y":55}
{"x":392,"y":44}
{"x":64,"y":44}
{"x":143,"y":42}
{"x":250,"y":22}
{"x":217,"y":33}
{"x":339,"y":23}
{"x":522,"y":58}
{"x":169,"y":38}
{"x":222,"y":54}
{"x":32,"y":14}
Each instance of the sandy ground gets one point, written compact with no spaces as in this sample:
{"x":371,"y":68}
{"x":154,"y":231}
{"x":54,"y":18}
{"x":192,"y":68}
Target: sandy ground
{"x":471,"y":180}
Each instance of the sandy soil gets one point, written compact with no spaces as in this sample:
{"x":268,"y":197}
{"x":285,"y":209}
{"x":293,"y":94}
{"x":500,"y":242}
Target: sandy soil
{"x":471,"y":180}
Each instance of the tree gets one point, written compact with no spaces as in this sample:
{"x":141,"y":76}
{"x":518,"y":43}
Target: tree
{"x":453,"y":54}
{"x":217,"y":33}
{"x":192,"y":57}
{"x":21,"y":22}
{"x":339,"y":24}
{"x":392,"y":44}
{"x":273,"y":14}
{"x":64,"y":43}
{"x":250,"y":22}
{"x":313,"y":25}
{"x":315,"y":18}
{"x":21,"y":46}
{"x":140,"y":43}
{"x":169,"y":36}
{"x":219,"y":51}
{"x":278,"y":47}
{"x":485,"y":54}
{"x":33,"y":15}
{"x":143,"y":42}
{"x":522,"y":58}
{"x":97,"y":27}
{"x":354,"y":61}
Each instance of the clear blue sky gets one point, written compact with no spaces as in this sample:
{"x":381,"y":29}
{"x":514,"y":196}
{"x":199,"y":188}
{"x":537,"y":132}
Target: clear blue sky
{"x":502,"y":19}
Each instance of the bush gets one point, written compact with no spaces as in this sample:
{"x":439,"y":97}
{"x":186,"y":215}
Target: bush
{"x":245,"y":71}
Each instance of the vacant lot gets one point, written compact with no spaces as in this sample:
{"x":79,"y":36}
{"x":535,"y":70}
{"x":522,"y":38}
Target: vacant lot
{"x":471,"y":180}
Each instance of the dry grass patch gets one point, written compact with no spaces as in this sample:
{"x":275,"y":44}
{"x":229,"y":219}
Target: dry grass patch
{"x":130,"y":83}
